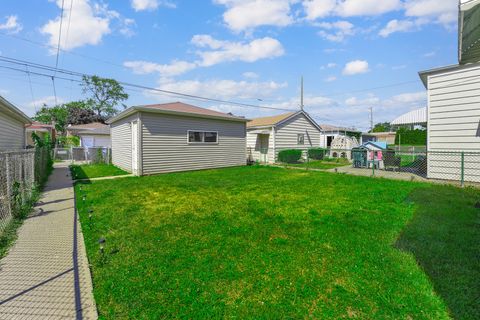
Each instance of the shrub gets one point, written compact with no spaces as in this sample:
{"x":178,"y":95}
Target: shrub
{"x":317,"y":153}
{"x":290,"y":156}
{"x":411,"y":137}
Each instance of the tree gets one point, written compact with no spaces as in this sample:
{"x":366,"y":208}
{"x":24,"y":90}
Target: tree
{"x":382,"y":127}
{"x":105,"y":95}
{"x":57,"y":115}
{"x":80,"y":113}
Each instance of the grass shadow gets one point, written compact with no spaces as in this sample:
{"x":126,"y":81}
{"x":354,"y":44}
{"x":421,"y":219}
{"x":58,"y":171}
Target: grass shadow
{"x":444,"y":238}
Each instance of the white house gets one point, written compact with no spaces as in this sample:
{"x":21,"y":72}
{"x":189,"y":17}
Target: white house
{"x":267,"y":136}
{"x":176,"y":137}
{"x":330,"y":133}
{"x":12,"y":126}
{"x":453,"y":112}
{"x":91,"y":135}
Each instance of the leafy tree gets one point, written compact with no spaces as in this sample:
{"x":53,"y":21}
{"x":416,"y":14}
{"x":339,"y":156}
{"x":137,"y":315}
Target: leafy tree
{"x":57,"y":115}
{"x":105,"y":95}
{"x":80,"y":113}
{"x":382,"y":127}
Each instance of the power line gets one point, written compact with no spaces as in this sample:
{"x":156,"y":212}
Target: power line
{"x":44,"y":67}
{"x":68,"y":26}
{"x":59,"y":37}
{"x":61,"y":50}
{"x":150,"y":89}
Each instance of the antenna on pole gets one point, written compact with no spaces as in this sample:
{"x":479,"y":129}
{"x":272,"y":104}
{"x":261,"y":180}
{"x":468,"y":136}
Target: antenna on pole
{"x":371,"y":119}
{"x":301,"y":95}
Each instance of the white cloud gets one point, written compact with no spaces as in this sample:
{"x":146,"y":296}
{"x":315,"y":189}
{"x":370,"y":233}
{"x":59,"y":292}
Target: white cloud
{"x":444,"y":12}
{"x":245,"y":15}
{"x":141,"y":5}
{"x":369,"y":101}
{"x":48,"y":100}
{"x":88,"y":25}
{"x":429,"y":54}
{"x":336,"y":31}
{"x":250,"y":75}
{"x":331,"y":79}
{"x":356,"y":67}
{"x":328,"y":66}
{"x":412,"y":97}
{"x":315,"y":9}
{"x":220,"y":51}
{"x":175,"y":68}
{"x":397,"y":26}
{"x":11,"y":25}
{"x":225,"y":51}
{"x":224,"y":89}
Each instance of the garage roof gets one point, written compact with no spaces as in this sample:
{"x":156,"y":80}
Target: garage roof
{"x":178,"y":108}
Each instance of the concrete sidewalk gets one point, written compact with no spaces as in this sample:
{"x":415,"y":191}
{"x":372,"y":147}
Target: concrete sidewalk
{"x":45,"y":275}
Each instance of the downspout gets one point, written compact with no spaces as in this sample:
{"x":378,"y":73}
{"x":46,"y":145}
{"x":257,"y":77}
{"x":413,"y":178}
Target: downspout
{"x":140,"y":145}
{"x":274,"y":131}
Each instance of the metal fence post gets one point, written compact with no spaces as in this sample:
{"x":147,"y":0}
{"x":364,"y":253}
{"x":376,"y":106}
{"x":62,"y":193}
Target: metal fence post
{"x":462,"y":170}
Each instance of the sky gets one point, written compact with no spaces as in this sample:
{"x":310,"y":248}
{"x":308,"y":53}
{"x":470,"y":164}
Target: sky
{"x":353,"y":54}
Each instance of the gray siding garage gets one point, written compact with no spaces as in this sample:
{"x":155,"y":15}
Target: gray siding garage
{"x":453,"y":116}
{"x":12,"y":126}
{"x":176,"y":137}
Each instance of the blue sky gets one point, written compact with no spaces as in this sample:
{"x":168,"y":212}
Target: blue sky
{"x":353,"y":54}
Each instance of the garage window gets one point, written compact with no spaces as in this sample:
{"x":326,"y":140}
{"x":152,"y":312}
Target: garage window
{"x":207,"y":137}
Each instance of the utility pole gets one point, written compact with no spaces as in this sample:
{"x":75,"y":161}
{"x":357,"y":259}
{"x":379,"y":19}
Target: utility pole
{"x":371,"y":119}
{"x":301,"y":95}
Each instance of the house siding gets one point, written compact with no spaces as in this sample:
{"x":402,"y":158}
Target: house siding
{"x":286,"y":134}
{"x":121,"y":138}
{"x":12,"y":133}
{"x":454,"y":123}
{"x":253,"y":146}
{"x":165,"y":147}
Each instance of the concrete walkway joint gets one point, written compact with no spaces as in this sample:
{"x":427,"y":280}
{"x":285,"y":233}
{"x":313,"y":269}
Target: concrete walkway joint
{"x":46,"y":275}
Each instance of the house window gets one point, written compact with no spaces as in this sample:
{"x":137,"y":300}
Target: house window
{"x":301,"y":139}
{"x":202,"y":137}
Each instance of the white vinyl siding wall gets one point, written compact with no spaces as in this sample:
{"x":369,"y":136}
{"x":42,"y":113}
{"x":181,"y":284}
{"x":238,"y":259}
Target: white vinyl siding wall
{"x":287,"y":134}
{"x":121,"y":138}
{"x":454,"y":122}
{"x":165,"y":146}
{"x":253,"y":144}
{"x":12,"y":133}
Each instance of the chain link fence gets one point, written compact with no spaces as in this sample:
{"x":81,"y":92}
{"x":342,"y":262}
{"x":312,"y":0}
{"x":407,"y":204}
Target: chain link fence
{"x":411,"y":163}
{"x":93,"y":155}
{"x":21,"y":172}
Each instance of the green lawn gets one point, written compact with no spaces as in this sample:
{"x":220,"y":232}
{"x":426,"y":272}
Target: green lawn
{"x":89,"y":171}
{"x":269,"y":243}
{"x":319,"y":164}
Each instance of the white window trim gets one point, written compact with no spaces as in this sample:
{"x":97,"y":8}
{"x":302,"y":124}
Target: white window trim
{"x":203,"y":142}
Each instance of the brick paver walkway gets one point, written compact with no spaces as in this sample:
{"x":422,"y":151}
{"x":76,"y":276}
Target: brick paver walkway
{"x":46,"y":274}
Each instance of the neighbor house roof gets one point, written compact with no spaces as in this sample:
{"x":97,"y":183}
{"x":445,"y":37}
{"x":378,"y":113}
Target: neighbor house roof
{"x":88,"y":126}
{"x":178,"y":108}
{"x":105,"y":130}
{"x":38,"y":126}
{"x":278,"y":120}
{"x":269,"y":121}
{"x":380,"y":145}
{"x":418,"y":116}
{"x":327,"y":127}
{"x":13,"y":111}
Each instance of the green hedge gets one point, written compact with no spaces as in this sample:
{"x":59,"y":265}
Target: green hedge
{"x":317,"y":153}
{"x":411,"y":137}
{"x":290,"y":156}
